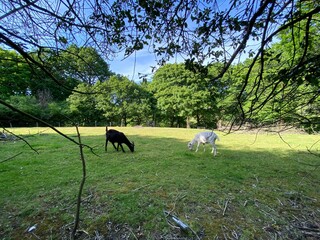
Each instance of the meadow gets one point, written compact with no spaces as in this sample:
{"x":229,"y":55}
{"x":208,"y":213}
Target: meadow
{"x":257,"y":187}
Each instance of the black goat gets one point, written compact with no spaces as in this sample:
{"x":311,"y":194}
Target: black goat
{"x":115,"y":136}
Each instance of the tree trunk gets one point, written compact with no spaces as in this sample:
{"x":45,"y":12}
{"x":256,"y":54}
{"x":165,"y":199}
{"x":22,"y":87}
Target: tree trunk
{"x":188,"y":122}
{"x":198,"y":120}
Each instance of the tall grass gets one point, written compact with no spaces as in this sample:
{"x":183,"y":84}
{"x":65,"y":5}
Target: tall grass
{"x":258,"y":186}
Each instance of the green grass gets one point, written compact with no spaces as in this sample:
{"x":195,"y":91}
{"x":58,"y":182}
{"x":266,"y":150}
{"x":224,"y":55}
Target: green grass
{"x":254,"y":188}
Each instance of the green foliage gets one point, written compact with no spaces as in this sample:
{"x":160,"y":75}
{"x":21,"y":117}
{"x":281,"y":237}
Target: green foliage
{"x":54,"y":112}
{"x":123,"y":101}
{"x":15,"y":74}
{"x":28,"y":104}
{"x":281,"y":85}
{"x":83,"y":105}
{"x":182,"y":94}
{"x":84,"y":64}
{"x":54,"y":87}
{"x":70,"y":67}
{"x":253,"y":188}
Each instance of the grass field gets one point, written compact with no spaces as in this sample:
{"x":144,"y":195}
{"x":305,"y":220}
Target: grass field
{"x":257,"y":187}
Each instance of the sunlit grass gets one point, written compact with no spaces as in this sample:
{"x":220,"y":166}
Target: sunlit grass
{"x":249,"y":186}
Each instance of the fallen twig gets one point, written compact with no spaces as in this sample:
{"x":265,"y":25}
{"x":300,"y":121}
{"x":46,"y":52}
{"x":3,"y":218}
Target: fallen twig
{"x":309,"y":229}
{"x":225,"y":207}
{"x":130,"y":230}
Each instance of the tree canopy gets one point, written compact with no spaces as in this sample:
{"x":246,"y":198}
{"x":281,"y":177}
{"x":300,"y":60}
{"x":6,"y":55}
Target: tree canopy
{"x":182,"y":94}
{"x":244,"y":61}
{"x":201,"y":32}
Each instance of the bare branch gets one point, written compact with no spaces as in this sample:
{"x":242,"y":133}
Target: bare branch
{"x":21,"y":138}
{"x":17,"y":9}
{"x":84,"y":173}
{"x":11,"y":158}
{"x":44,"y":123}
{"x":246,"y":36}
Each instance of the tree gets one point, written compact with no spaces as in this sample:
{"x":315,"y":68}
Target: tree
{"x":182,"y":94}
{"x":15,"y":74}
{"x":42,"y":85}
{"x":202,"y":32}
{"x":69,"y":67}
{"x":84,"y":64}
{"x":18,"y":78}
{"x":27,"y":104}
{"x":282,"y":84}
{"x":123,"y":101}
{"x":83,"y":107}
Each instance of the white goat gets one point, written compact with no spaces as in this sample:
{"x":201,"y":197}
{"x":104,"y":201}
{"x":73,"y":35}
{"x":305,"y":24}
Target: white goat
{"x":205,"y":137}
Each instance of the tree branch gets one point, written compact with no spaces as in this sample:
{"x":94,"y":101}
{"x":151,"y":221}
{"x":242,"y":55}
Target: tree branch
{"x":44,"y":123}
{"x":84,"y":174}
{"x":11,"y":157}
{"x":20,"y":139}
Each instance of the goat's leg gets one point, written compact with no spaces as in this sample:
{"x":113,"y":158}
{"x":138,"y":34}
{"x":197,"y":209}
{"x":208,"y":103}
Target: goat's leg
{"x":214,"y":149}
{"x":204,"y":147}
{"x":119,"y":144}
{"x":105,"y":146}
{"x":197,"y":147}
{"x":212,"y":144}
{"x":114,"y":146}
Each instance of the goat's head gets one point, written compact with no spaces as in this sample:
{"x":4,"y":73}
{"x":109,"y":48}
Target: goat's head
{"x":190,"y":145}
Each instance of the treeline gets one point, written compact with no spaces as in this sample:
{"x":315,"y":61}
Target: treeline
{"x":83,"y":90}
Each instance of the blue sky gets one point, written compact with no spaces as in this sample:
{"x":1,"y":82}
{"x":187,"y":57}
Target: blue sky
{"x":140,"y":62}
{"x":143,"y":61}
